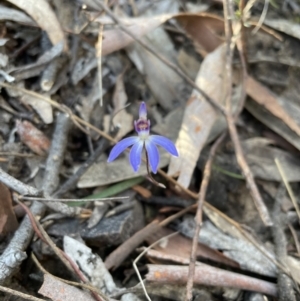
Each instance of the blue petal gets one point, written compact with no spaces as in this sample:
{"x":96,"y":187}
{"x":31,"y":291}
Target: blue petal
{"x":136,"y":155}
{"x":121,"y":146}
{"x":143,"y":110}
{"x":153,"y":155}
{"x":164,"y":142}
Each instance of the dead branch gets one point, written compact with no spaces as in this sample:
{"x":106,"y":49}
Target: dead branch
{"x":284,"y":282}
{"x":207,"y":275}
{"x":19,"y":294}
{"x":55,"y":157}
{"x":258,"y":201}
{"x":53,"y":165}
{"x":15,"y":253}
{"x":17,"y":185}
{"x":198,"y":217}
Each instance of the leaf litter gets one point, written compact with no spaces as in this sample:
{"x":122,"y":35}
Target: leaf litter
{"x":51,"y":50}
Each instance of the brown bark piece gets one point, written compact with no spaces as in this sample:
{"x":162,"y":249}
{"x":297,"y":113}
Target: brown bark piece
{"x":8,"y":220}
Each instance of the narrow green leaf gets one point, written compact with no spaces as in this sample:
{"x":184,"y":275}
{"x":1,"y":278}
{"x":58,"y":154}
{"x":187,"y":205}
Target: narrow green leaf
{"x":111,"y":190}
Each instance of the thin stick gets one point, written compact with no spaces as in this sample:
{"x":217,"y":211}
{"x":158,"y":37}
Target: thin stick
{"x":99,"y":62}
{"x":198,"y":218}
{"x":262,"y":17}
{"x":19,"y":294}
{"x":295,"y":236}
{"x":288,"y":186}
{"x":142,"y":254}
{"x":17,"y":185}
{"x":10,"y":154}
{"x":284,"y":282}
{"x":242,"y":42}
{"x":258,"y":201}
{"x":28,"y":198}
{"x":31,"y":217}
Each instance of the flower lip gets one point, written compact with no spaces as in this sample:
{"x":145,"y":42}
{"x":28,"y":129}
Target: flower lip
{"x":142,"y":125}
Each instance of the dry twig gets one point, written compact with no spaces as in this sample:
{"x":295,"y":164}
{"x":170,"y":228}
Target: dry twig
{"x":198,"y":217}
{"x":17,"y":185}
{"x":15,"y":253}
{"x":258,"y":201}
{"x":19,"y":294}
{"x":208,"y":275}
{"x":53,"y":165}
{"x":284,"y":282}
{"x":288,"y":187}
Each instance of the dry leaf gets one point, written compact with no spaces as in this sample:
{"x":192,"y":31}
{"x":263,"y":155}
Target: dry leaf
{"x":286,"y":26}
{"x":15,"y":15}
{"x":203,"y":27}
{"x":117,"y":39}
{"x":166,"y":85}
{"x":266,"y":98}
{"x":8,"y":220}
{"x":60,"y":291}
{"x":293,"y":265}
{"x":181,"y":246}
{"x":122,"y":119}
{"x":104,"y":173}
{"x":199,"y":117}
{"x":43,"y":108}
{"x":234,"y":246}
{"x":42,"y":13}
{"x":35,"y":68}
{"x":261,"y":155}
{"x":33,"y":137}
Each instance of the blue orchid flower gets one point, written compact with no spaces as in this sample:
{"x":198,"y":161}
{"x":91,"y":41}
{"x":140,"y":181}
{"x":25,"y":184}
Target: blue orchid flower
{"x":143,"y":141}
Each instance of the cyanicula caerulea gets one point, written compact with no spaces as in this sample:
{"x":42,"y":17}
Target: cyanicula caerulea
{"x":143,"y":141}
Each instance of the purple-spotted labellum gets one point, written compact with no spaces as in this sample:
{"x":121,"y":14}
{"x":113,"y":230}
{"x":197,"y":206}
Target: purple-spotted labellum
{"x":143,"y":141}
